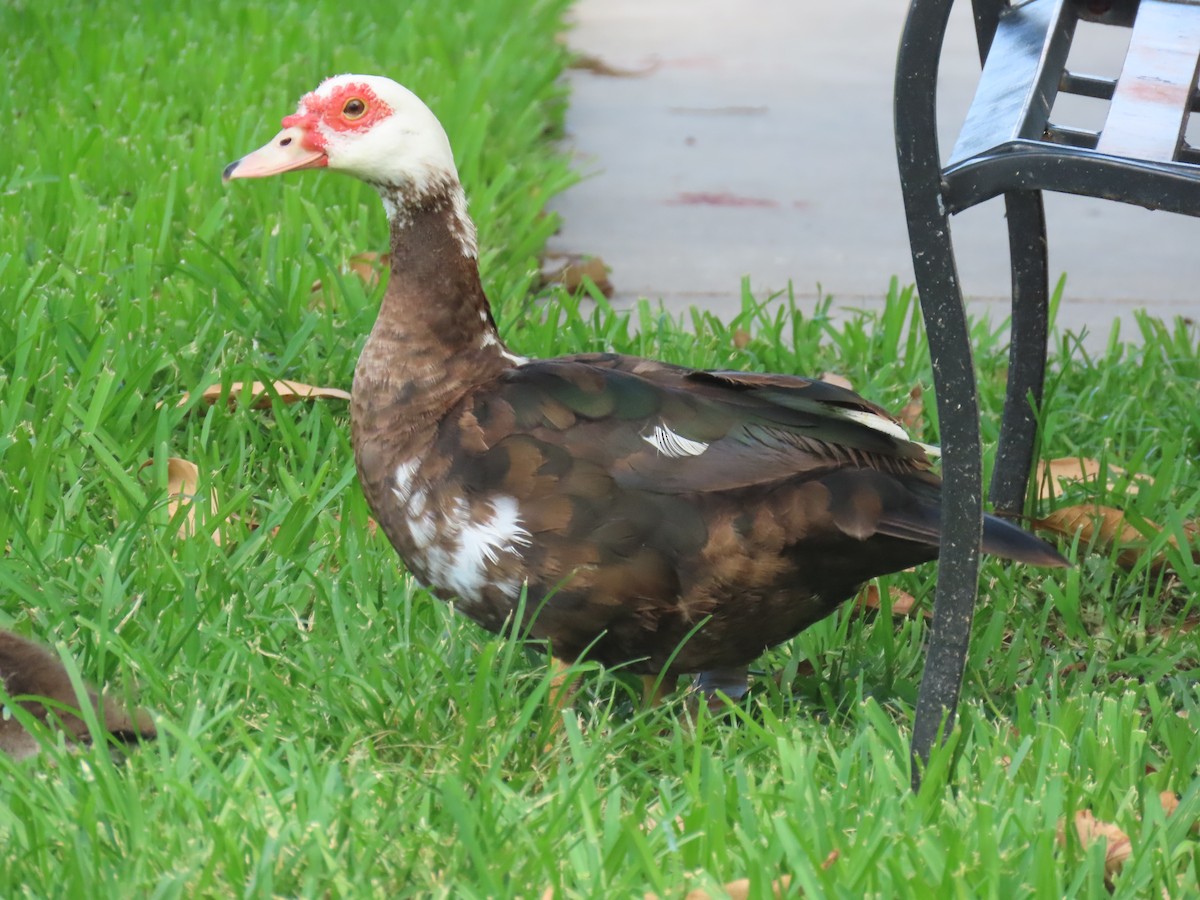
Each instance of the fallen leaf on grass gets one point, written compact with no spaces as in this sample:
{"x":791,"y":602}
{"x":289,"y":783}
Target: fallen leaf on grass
{"x":1072,"y":668}
{"x":1055,"y":476}
{"x":1169,"y":801}
{"x":737,"y":890}
{"x":740,"y":338}
{"x":572,"y":273}
{"x":368,"y":266}
{"x":260,"y":397}
{"x":183,"y":488}
{"x":910,"y":416}
{"x":740,"y":889}
{"x":903,"y":603}
{"x":1104,"y":525}
{"x":1089,"y":830}
{"x":1117,"y":846}
{"x":1104,"y":528}
{"x":1170,"y":805}
{"x":804,"y":669}
{"x":1166,"y":632}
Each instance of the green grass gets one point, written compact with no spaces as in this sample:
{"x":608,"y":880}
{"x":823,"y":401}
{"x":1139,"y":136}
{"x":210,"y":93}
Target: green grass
{"x":328,"y":729}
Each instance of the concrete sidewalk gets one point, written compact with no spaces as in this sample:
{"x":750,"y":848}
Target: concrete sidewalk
{"x":759,"y":142}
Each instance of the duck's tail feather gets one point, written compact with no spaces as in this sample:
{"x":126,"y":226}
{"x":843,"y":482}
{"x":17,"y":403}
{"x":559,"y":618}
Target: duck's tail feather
{"x":1007,"y":541}
{"x":869,"y":502}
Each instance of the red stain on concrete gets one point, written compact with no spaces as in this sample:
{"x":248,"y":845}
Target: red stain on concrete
{"x":720,"y":198}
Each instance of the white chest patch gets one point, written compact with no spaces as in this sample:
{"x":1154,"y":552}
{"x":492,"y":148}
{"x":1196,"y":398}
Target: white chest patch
{"x":672,"y":444}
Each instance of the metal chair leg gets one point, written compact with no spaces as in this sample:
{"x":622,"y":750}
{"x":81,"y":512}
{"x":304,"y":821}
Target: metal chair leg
{"x":953,"y":373}
{"x":962,"y":510}
{"x":1027,"y":352}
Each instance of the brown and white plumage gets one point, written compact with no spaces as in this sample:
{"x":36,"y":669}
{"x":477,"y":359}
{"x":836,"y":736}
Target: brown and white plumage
{"x":665,"y":518}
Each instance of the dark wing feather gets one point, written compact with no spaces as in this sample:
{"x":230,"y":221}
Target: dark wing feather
{"x":753,"y":430}
{"x":575,"y":437}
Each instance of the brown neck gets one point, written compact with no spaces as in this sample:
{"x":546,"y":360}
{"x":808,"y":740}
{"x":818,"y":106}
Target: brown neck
{"x":435,"y":337}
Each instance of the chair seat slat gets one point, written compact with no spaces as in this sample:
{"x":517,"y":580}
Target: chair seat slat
{"x":1020,"y":77}
{"x":1158,"y":80}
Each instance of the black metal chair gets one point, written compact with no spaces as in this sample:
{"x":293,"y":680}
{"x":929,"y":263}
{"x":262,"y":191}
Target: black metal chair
{"x":1008,"y":146}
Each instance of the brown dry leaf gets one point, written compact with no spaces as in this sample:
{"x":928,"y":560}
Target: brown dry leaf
{"x":1170,"y":804}
{"x":740,"y":889}
{"x":183,"y":485}
{"x":1169,"y":801}
{"x":1166,"y":632}
{"x":368,"y":266}
{"x":571,"y":274}
{"x":804,"y":669}
{"x":1056,"y":475}
{"x":737,"y":890}
{"x":836,"y":379}
{"x":598,"y":66}
{"x":741,"y":337}
{"x":910,"y":417}
{"x":1090,"y":829}
{"x":1103,"y":527}
{"x":260,"y":398}
{"x":903,"y":603}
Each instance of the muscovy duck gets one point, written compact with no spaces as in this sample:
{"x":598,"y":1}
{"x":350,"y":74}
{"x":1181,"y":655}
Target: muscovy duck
{"x":663,"y":518}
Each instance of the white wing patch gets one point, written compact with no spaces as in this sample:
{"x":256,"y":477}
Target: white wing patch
{"x":931,"y":450}
{"x":672,"y":444}
{"x":873,"y":421}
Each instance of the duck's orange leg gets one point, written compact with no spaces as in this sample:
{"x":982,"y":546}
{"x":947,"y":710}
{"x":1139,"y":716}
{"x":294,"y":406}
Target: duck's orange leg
{"x":562,"y":691}
{"x":654,"y":688}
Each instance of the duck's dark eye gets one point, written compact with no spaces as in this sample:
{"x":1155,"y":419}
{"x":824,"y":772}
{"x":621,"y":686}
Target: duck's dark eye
{"x":354,"y":108}
{"x":285,"y":142}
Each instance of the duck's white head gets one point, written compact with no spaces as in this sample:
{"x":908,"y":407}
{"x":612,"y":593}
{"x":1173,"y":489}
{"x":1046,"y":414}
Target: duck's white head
{"x":365,"y":125}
